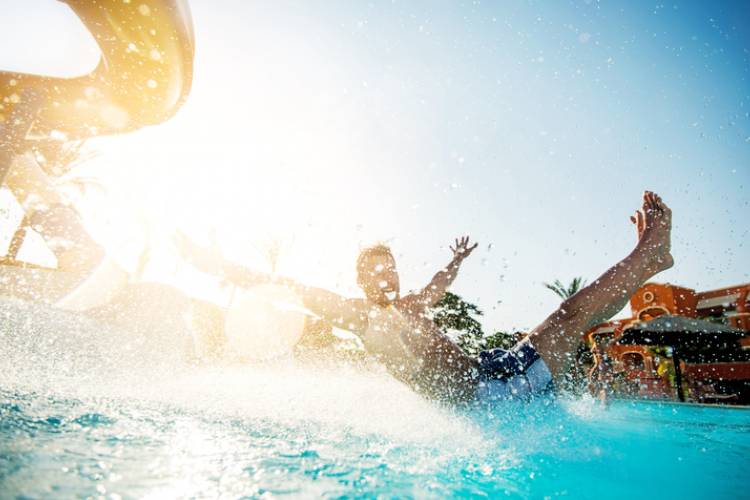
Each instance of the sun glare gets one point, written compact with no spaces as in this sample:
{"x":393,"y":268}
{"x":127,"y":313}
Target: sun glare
{"x":261,"y":204}
{"x":255,"y":162}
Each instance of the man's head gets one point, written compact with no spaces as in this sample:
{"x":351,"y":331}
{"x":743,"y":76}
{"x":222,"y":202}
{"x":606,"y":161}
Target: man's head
{"x":377,"y":275}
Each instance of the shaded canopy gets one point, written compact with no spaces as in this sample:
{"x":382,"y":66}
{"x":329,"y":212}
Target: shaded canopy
{"x":683,"y":333}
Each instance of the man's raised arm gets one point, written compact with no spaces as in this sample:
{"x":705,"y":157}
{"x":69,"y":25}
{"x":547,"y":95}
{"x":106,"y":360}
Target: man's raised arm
{"x":434,"y":291}
{"x":343,"y":313}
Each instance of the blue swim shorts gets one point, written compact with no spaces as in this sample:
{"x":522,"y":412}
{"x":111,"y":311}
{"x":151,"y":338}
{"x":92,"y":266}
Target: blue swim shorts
{"x":518,"y":372}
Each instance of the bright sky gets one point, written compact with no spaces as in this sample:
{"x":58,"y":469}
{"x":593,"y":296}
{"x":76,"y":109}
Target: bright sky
{"x":533,"y":127}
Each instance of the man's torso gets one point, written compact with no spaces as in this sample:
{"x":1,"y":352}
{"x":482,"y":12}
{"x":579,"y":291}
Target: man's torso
{"x":415,"y":351}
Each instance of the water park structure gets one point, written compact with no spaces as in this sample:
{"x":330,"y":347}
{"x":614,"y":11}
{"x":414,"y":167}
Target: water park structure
{"x":682,"y":344}
{"x":143,"y":77}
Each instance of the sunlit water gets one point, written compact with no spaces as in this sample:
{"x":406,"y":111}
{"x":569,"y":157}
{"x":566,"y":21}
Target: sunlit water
{"x":90,"y":411}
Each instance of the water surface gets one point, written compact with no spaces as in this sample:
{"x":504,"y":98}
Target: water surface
{"x":82,"y":415}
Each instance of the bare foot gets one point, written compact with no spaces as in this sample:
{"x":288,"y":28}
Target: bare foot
{"x":653,"y":223}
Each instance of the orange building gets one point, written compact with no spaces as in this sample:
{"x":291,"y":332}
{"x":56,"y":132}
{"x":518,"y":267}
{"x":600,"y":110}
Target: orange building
{"x":715,"y":374}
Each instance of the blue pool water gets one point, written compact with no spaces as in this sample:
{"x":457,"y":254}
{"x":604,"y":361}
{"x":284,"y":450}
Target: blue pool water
{"x":95,"y":420}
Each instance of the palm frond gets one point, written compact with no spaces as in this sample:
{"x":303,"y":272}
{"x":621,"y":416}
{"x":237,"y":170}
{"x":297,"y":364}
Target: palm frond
{"x":557,"y":287}
{"x":568,"y":291}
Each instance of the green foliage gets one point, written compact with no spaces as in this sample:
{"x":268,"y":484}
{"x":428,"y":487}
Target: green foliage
{"x":457,"y":318}
{"x":566,"y":292}
{"x":503,"y":340}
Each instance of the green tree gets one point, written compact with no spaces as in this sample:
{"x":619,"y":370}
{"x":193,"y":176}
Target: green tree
{"x":566,"y":292}
{"x":457,"y":318}
{"x":503,"y":340}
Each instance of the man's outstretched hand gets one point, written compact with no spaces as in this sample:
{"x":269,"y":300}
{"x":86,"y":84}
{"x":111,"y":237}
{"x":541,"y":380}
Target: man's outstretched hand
{"x":462,"y":249}
{"x":207,"y":259}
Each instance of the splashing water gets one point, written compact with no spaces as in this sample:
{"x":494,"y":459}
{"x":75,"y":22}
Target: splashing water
{"x":89,"y":410}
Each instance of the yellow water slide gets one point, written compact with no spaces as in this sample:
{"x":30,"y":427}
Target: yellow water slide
{"x":143,"y":77}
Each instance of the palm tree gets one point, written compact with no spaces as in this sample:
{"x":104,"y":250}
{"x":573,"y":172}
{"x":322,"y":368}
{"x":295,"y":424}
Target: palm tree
{"x":566,"y":292}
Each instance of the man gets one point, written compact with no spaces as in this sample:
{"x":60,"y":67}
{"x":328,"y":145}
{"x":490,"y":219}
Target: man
{"x":397,"y":331}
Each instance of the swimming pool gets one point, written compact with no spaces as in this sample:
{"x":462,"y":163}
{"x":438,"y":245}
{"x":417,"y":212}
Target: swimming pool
{"x":84,"y":422}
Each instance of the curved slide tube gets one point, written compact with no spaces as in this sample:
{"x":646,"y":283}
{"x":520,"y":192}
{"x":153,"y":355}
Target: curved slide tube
{"x":100,"y":278}
{"x":143,"y":77}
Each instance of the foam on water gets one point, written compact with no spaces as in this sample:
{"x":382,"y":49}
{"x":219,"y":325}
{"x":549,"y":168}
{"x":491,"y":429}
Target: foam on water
{"x":51,"y":351}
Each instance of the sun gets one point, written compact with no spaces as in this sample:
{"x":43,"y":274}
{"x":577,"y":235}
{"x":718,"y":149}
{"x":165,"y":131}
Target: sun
{"x":179,"y":178}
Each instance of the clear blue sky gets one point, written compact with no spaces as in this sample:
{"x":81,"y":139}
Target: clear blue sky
{"x":532,"y":126}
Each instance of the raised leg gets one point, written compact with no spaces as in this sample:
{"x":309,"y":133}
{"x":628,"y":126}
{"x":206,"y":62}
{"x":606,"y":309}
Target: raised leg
{"x":557,"y":337}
